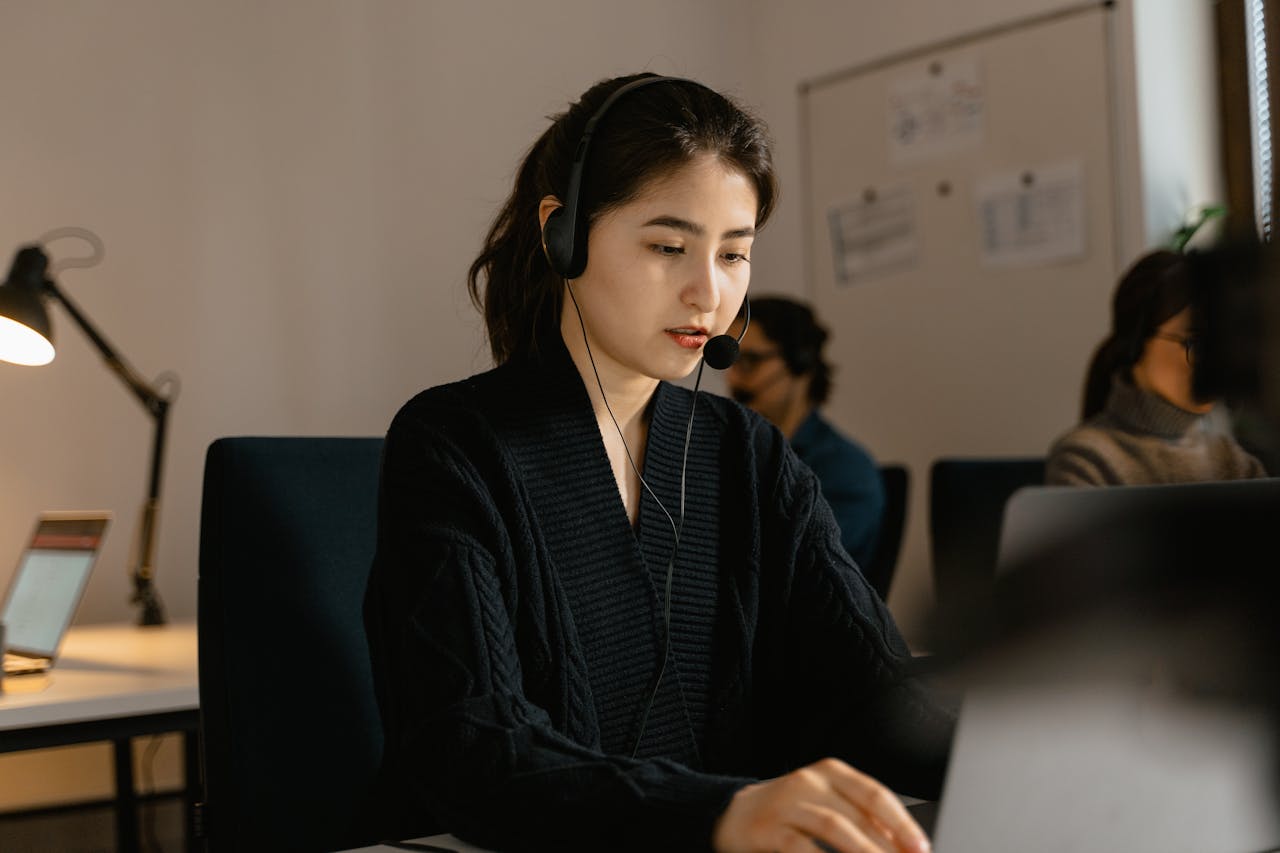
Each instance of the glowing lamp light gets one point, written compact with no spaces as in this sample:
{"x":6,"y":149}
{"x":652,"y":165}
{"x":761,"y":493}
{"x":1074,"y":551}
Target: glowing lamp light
{"x":20,"y":344}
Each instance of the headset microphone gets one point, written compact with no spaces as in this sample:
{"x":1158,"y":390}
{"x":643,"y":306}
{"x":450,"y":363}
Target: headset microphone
{"x":722,"y":351}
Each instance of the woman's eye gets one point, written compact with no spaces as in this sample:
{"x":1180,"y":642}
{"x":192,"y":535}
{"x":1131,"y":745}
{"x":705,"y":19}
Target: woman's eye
{"x":736,"y":258}
{"x":668,"y":251}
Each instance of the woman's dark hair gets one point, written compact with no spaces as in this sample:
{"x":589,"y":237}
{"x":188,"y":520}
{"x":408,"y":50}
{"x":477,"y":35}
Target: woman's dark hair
{"x":1156,"y":287}
{"x":800,"y":339}
{"x":646,"y":134}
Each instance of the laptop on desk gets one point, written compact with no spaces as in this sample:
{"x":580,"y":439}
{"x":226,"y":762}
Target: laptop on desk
{"x":1093,"y":733}
{"x":47,"y":586}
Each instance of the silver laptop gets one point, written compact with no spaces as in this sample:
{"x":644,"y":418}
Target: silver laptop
{"x":47,"y":586}
{"x":1040,"y":517}
{"x":1082,"y":744}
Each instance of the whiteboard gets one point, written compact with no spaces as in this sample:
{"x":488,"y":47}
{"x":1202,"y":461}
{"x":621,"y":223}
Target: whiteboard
{"x":960,"y":209}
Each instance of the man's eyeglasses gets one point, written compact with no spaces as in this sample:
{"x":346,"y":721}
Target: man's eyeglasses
{"x":1189,"y":343}
{"x":749,"y":360}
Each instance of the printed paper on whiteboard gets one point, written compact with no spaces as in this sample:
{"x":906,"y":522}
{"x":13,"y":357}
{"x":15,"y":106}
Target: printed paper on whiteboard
{"x":937,"y":110}
{"x":1032,"y":218}
{"x":873,"y":236}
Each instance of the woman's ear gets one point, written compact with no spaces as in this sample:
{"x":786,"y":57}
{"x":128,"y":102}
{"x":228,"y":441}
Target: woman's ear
{"x":549,"y":204}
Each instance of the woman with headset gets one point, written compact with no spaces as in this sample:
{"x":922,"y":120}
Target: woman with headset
{"x":607,"y":612}
{"x":1141,"y":421}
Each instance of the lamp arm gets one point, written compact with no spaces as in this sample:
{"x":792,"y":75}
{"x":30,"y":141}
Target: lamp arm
{"x":157,"y":405}
{"x":144,"y":591}
{"x":152,"y":400}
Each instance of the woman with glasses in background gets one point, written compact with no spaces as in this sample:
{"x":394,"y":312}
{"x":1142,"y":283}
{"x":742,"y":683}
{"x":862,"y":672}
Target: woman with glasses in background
{"x":1141,"y":421}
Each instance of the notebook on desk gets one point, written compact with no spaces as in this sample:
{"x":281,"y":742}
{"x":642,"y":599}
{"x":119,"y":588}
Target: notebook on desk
{"x":47,"y":586}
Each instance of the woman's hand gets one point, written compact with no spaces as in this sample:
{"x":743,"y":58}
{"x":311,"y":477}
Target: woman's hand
{"x":826,"y":806}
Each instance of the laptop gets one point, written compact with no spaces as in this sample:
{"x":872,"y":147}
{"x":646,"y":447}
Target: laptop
{"x":1082,"y":742}
{"x":47,"y":586}
{"x":1038,"y":517}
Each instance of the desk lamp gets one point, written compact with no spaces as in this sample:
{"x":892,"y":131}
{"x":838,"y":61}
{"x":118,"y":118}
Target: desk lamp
{"x":26,"y":338}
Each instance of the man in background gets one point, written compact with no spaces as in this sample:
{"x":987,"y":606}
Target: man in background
{"x":782,"y":374}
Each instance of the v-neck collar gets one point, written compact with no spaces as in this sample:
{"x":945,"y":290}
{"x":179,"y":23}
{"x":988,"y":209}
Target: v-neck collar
{"x":555,"y":409}
{"x":608,"y":570}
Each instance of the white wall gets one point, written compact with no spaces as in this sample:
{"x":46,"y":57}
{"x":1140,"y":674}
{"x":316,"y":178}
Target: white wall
{"x":290,"y":194}
{"x":1177,"y":112}
{"x":804,"y":39}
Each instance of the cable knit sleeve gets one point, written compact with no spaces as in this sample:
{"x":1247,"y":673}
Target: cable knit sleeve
{"x":845,"y":665}
{"x":455,"y":654}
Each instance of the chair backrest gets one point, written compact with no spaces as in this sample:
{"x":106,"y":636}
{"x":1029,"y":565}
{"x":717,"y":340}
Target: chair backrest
{"x":966,"y":506}
{"x":879,"y":571}
{"x":291,"y":736}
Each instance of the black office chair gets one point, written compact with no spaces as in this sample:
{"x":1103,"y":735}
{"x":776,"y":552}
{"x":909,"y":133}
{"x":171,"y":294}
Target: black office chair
{"x":879,"y":571}
{"x":966,"y":505}
{"x":291,"y":736}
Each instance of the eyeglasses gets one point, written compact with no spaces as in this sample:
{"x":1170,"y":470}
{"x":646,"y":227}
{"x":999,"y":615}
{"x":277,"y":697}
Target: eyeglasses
{"x":1190,"y":343}
{"x":749,"y":360}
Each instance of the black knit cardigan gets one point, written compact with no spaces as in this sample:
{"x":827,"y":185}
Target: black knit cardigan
{"x":516,"y":625}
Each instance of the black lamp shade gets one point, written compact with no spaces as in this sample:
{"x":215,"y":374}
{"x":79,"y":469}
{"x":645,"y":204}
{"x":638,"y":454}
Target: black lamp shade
{"x":26,"y":336}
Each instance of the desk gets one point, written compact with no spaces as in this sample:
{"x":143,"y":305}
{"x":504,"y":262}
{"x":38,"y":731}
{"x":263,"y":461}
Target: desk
{"x":925,"y":813}
{"x":111,"y":683}
{"x":434,"y":843}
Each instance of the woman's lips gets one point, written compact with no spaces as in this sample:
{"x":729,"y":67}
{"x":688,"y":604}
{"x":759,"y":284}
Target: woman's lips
{"x":689,"y":338}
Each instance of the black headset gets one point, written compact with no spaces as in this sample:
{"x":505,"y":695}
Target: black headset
{"x":564,"y":236}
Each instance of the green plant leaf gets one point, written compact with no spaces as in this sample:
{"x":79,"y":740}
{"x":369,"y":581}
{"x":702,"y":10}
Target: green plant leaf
{"x":1178,"y":242}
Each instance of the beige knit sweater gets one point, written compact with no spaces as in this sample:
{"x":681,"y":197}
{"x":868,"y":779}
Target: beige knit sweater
{"x":1141,"y":438}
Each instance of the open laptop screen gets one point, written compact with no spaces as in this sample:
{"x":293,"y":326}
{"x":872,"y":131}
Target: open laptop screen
{"x":50,"y":580}
{"x":1131,"y":721}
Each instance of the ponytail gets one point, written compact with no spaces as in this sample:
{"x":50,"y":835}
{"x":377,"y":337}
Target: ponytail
{"x":1109,"y":358}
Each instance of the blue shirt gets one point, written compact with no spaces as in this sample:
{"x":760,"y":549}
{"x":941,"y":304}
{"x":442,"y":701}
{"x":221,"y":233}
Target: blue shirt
{"x":850,"y":481}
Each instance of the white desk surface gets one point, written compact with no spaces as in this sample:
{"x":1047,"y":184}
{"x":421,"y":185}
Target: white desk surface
{"x":103,"y":671}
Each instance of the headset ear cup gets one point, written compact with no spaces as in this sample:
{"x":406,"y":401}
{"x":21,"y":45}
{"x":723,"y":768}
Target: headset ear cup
{"x":566,"y":253}
{"x":557,"y":243}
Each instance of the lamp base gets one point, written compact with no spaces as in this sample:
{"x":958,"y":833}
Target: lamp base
{"x":145,"y":595}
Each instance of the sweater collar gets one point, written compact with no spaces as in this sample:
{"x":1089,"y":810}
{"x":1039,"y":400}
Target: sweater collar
{"x":553,"y":392}
{"x":1142,"y":411}
{"x":550,"y":410}
{"x":554,"y":440}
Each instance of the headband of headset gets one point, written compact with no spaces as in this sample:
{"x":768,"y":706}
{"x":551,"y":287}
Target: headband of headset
{"x":565,"y":234}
